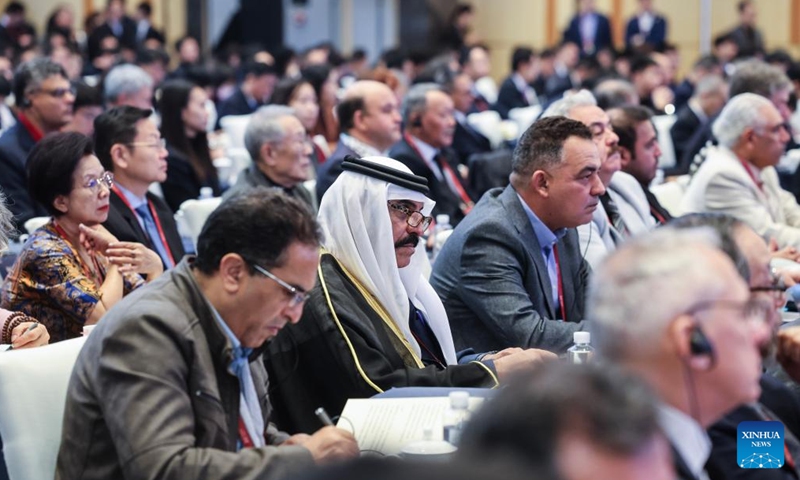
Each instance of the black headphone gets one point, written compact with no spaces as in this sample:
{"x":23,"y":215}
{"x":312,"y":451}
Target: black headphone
{"x":417,"y":121}
{"x":699,"y":344}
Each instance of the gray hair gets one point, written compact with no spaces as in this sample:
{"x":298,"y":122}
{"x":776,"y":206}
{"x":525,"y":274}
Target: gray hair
{"x":6,"y":222}
{"x":708,"y":84}
{"x":30,"y":75}
{"x":562,"y":108}
{"x":416,"y":100}
{"x":740,"y":113}
{"x":615,"y":92}
{"x":755,"y":76}
{"x":125,"y":80}
{"x":265,"y":126}
{"x":673,"y":269}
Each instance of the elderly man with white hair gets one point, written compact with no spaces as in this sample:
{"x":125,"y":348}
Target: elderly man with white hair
{"x":373,"y":321}
{"x":739,"y":177}
{"x":128,"y":85}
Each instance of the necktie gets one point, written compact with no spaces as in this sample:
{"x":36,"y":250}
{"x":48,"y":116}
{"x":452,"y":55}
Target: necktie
{"x":249,"y":407}
{"x":428,"y":344}
{"x":153,"y":234}
{"x":613,"y":215}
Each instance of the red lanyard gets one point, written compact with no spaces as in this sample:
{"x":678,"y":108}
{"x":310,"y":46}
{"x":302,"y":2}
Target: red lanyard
{"x":752,"y":175}
{"x":447,"y":170}
{"x":244,"y":437}
{"x":658,"y":216}
{"x":98,"y":276}
{"x":560,"y":285}
{"x":155,"y":219}
{"x":34,"y":131}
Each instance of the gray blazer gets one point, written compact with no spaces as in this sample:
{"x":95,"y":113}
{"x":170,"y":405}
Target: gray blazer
{"x":493,"y":280}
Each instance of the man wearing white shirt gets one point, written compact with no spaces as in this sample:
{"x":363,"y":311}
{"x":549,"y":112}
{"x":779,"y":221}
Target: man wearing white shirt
{"x":738,"y":177}
{"x":696,"y":343}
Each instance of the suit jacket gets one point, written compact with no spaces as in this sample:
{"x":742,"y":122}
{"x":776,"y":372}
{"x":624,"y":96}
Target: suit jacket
{"x":493,"y":281}
{"x":123,"y":223}
{"x":467,"y":141}
{"x":182,"y":182}
{"x":251,"y":177}
{"x":722,"y":184}
{"x":236,"y":104}
{"x":15,"y":144}
{"x":447,"y":202}
{"x":655,"y":37}
{"x":682,"y":131}
{"x":130,"y":415}
{"x":126,"y":40}
{"x":633,"y":207}
{"x":330,"y":170}
{"x":509,"y":97}
{"x":602,"y":35}
{"x":750,"y":42}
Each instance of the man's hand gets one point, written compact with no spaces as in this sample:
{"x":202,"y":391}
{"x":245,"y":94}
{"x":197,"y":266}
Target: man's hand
{"x":328,"y":444}
{"x":788,"y":253}
{"x":522,"y":360}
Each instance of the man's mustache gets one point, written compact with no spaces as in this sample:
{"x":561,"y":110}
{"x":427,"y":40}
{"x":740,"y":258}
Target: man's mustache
{"x":412,"y":239}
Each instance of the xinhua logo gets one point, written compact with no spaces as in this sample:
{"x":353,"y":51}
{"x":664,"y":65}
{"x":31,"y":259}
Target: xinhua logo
{"x":760,"y":445}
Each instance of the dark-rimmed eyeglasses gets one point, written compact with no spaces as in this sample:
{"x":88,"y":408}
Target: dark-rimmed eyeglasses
{"x":753,"y":310}
{"x":297,"y":296}
{"x":413,"y":218}
{"x":106,"y":178}
{"x":159,"y":144}
{"x":58,"y":92}
{"x":776,"y":289}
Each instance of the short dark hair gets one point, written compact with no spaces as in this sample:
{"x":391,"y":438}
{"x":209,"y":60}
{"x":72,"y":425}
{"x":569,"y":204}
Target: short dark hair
{"x":625,"y":124}
{"x":117,"y":125}
{"x":725,"y":227}
{"x":287,"y":87}
{"x":145,"y":8}
{"x":30,"y":76}
{"x":463,"y":56}
{"x":641,"y":63}
{"x":346,"y":111}
{"x":706,"y":62}
{"x":15,"y":8}
{"x":259,"y":225}
{"x":51,"y":164}
{"x":521,"y":55}
{"x":149,"y":56}
{"x":86,"y":96}
{"x":179,"y":42}
{"x":608,"y":406}
{"x":257,"y":69}
{"x":542,"y":144}
{"x":741,"y":6}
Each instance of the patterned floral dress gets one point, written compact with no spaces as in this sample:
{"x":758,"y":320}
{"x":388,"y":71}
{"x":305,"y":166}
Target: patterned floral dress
{"x":49,"y":282}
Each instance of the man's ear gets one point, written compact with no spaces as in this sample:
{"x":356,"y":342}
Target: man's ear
{"x":120,"y":155}
{"x":540,"y":182}
{"x":232,"y":271}
{"x":625,"y":157}
{"x":266,"y":153}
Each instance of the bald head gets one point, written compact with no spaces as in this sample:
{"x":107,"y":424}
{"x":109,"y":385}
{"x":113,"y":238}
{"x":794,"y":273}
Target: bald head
{"x":369,"y":112}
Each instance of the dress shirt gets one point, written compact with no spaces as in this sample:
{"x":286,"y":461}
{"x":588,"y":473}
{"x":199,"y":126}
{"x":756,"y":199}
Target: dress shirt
{"x":547,"y":239}
{"x":135,"y":202}
{"x":588,"y":28}
{"x":694,"y":105}
{"x":361,"y":148}
{"x":688,"y":438}
{"x":428,"y":156}
{"x":646,"y":20}
{"x":526,"y":90}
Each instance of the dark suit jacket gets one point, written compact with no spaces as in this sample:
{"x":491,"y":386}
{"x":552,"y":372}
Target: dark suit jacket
{"x":182,"y":182}
{"x":123,"y":224}
{"x":126,"y":40}
{"x":330,"y":170}
{"x":509,"y":97}
{"x":447,"y":202}
{"x":15,"y":144}
{"x":682,"y":131}
{"x":655,"y":37}
{"x":467,"y":141}
{"x":602,"y":36}
{"x":236,"y":104}
{"x":492,"y":279}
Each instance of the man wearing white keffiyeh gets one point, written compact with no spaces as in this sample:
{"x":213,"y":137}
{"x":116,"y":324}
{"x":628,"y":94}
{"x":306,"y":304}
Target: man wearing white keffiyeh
{"x":373,"y":321}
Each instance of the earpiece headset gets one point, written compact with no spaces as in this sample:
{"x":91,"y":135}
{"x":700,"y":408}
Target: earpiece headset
{"x":699,"y":343}
{"x":416,"y":122}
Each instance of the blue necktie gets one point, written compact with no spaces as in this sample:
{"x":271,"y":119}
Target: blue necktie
{"x":152,"y":232}
{"x":249,"y":406}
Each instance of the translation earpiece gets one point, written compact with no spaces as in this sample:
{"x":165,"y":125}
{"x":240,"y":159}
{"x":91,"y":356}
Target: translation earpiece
{"x":701,"y":349}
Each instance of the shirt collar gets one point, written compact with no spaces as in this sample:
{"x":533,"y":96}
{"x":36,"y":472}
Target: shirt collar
{"x":519,"y":82}
{"x":239,"y":352}
{"x":134,"y":201}
{"x":544,"y":235}
{"x":361,"y":148}
{"x":427,"y":151}
{"x":686,"y":436}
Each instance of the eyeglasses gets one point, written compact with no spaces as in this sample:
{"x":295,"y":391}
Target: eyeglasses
{"x":106,"y":178}
{"x":159,"y":144}
{"x":297,"y":296}
{"x":413,"y":218}
{"x":59,"y":92}
{"x":753,"y":310}
{"x":776,"y":289}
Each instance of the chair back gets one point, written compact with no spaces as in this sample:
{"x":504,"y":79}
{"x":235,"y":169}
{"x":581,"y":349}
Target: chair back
{"x":193,"y":214}
{"x":32,"y":224}
{"x":489,"y":170}
{"x":663,"y":124}
{"x":33,"y":392}
{"x":235,"y":126}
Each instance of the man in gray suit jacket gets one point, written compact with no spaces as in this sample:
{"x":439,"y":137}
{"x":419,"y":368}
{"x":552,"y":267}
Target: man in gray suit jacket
{"x":511,"y":274}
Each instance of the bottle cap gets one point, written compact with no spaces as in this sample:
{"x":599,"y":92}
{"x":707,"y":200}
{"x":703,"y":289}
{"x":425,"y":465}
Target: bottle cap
{"x":459,"y":399}
{"x":443,"y":218}
{"x":206,"y":192}
{"x":582,"y":337}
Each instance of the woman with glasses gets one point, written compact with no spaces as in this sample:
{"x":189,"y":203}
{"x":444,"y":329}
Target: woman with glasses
{"x":183,"y":126}
{"x":71,"y":270}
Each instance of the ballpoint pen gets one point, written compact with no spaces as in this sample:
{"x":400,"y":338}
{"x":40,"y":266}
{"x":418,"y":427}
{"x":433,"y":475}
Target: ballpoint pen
{"x":323,"y":416}
{"x":33,"y":325}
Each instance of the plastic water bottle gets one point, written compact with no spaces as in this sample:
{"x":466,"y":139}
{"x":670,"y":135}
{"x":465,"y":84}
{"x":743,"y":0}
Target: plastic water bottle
{"x":439,"y":237}
{"x":206,"y":193}
{"x":455,"y":416}
{"x":582,"y":351}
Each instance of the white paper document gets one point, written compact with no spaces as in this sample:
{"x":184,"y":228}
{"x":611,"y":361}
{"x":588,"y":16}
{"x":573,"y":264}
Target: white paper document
{"x":386,"y":425}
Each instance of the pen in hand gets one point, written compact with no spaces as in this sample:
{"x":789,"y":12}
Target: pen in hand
{"x":323,"y":417}
{"x":33,"y":325}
